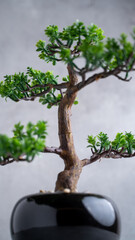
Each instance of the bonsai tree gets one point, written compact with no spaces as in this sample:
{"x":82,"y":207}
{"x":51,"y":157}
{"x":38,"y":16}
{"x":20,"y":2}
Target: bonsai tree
{"x":101,"y":59}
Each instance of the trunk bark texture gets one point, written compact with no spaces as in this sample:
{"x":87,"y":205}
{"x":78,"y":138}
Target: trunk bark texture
{"x":73,"y":167}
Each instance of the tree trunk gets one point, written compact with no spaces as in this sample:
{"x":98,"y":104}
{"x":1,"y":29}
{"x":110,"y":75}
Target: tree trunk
{"x":73,"y":167}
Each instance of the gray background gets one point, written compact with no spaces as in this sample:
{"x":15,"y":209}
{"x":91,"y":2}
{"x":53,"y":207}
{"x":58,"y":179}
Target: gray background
{"x":107,"y":105}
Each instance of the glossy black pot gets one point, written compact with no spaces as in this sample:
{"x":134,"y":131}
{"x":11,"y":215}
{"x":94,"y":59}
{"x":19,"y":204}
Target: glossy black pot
{"x":65,"y":216}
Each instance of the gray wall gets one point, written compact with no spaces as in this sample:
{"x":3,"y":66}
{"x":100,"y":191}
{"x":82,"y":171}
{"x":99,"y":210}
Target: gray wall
{"x":107,"y":105}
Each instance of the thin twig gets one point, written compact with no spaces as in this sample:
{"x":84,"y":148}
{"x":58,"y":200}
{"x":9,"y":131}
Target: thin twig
{"x":123,"y":79}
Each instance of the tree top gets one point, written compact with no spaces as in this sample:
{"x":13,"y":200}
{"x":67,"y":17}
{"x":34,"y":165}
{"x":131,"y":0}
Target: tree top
{"x":111,"y":56}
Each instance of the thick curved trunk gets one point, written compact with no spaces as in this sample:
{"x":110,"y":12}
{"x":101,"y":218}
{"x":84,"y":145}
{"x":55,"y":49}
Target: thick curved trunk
{"x":73,"y":167}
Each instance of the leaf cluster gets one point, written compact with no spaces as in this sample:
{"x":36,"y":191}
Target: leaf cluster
{"x":29,"y":85}
{"x":50,"y":99}
{"x":117,"y":52}
{"x":25,"y":143}
{"x":78,"y":40}
{"x":124,"y":143}
{"x":67,"y":44}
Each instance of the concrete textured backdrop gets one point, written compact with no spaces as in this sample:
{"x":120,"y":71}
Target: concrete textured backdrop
{"x":107,"y":105}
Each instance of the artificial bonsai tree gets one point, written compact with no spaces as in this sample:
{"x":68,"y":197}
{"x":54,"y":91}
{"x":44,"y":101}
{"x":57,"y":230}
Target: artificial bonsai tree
{"x":102,"y":58}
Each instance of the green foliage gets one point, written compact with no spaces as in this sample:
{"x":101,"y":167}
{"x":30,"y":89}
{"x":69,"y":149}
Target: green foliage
{"x":13,"y":86}
{"x":72,"y":42}
{"x":99,"y":143}
{"x":23,"y":86}
{"x":65,"y":79}
{"x":19,"y":131}
{"x":78,"y":40}
{"x":65,"y":54}
{"x":119,"y":142}
{"x":103,"y":142}
{"x":38,"y":77}
{"x":124,"y":143}
{"x":62,"y":45}
{"x":76,"y":102}
{"x":93,"y":55}
{"x":117,"y":52}
{"x":45,"y":54}
{"x":127,"y":142}
{"x":52,"y":33}
{"x":32,"y":84}
{"x":50,"y":99}
{"x":92,"y":142}
{"x":130,"y":142}
{"x":26,"y":143}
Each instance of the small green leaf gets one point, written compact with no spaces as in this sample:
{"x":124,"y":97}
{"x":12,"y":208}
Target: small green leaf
{"x":76,"y":102}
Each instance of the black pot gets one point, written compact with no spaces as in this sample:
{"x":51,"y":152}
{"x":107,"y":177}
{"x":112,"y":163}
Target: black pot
{"x":65,"y":216}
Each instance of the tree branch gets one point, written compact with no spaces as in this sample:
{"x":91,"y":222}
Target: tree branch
{"x":10,"y":159}
{"x":52,"y":150}
{"x":93,"y":78}
{"x":33,"y":96}
{"x":123,"y":79}
{"x":56,"y":86}
{"x":106,"y":154}
{"x":50,"y":86}
{"x":3,"y":163}
{"x":100,"y":75}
